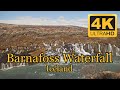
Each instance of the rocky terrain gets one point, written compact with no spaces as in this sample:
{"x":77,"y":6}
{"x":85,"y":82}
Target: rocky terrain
{"x":26,"y":36}
{"x":106,"y":75}
{"x":34,"y":39}
{"x":30,"y":38}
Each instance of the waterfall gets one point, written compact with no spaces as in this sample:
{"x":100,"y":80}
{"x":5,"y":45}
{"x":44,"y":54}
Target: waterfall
{"x":49,"y":53}
{"x":61,"y":56}
{"x":2,"y":66}
{"x":61,"y":59}
{"x":58,"y":50}
{"x":89,"y":47}
{"x":23,"y":64}
{"x":81,"y":47}
{"x":83,"y":51}
{"x":92,"y":51}
{"x":80,"y":50}
{"x":110,"y":48}
{"x":76,"y":48}
{"x":99,"y":50}
{"x":64,"y":50}
{"x":11,"y":65}
{"x":117,"y":51}
{"x":47,"y":46}
{"x":7,"y":50}
{"x":7,"y":66}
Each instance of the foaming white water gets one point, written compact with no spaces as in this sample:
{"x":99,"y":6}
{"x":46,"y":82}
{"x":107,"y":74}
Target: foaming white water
{"x":79,"y":49}
{"x":110,"y":48}
{"x":99,"y":48}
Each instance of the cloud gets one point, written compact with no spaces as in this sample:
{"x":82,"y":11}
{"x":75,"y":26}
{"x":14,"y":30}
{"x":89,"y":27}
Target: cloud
{"x":61,"y":20}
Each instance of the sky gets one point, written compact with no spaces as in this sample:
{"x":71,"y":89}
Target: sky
{"x":77,"y":18}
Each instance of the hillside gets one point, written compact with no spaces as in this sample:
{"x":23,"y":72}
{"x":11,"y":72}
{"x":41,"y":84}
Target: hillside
{"x":27,"y":35}
{"x":32,"y":40}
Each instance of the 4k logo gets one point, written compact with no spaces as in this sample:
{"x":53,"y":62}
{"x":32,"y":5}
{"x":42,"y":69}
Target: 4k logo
{"x":102,"y":25}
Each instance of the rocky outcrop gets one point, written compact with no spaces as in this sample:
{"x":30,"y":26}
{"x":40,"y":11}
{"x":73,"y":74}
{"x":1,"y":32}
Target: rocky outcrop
{"x":19,"y":39}
{"x":106,"y":75}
